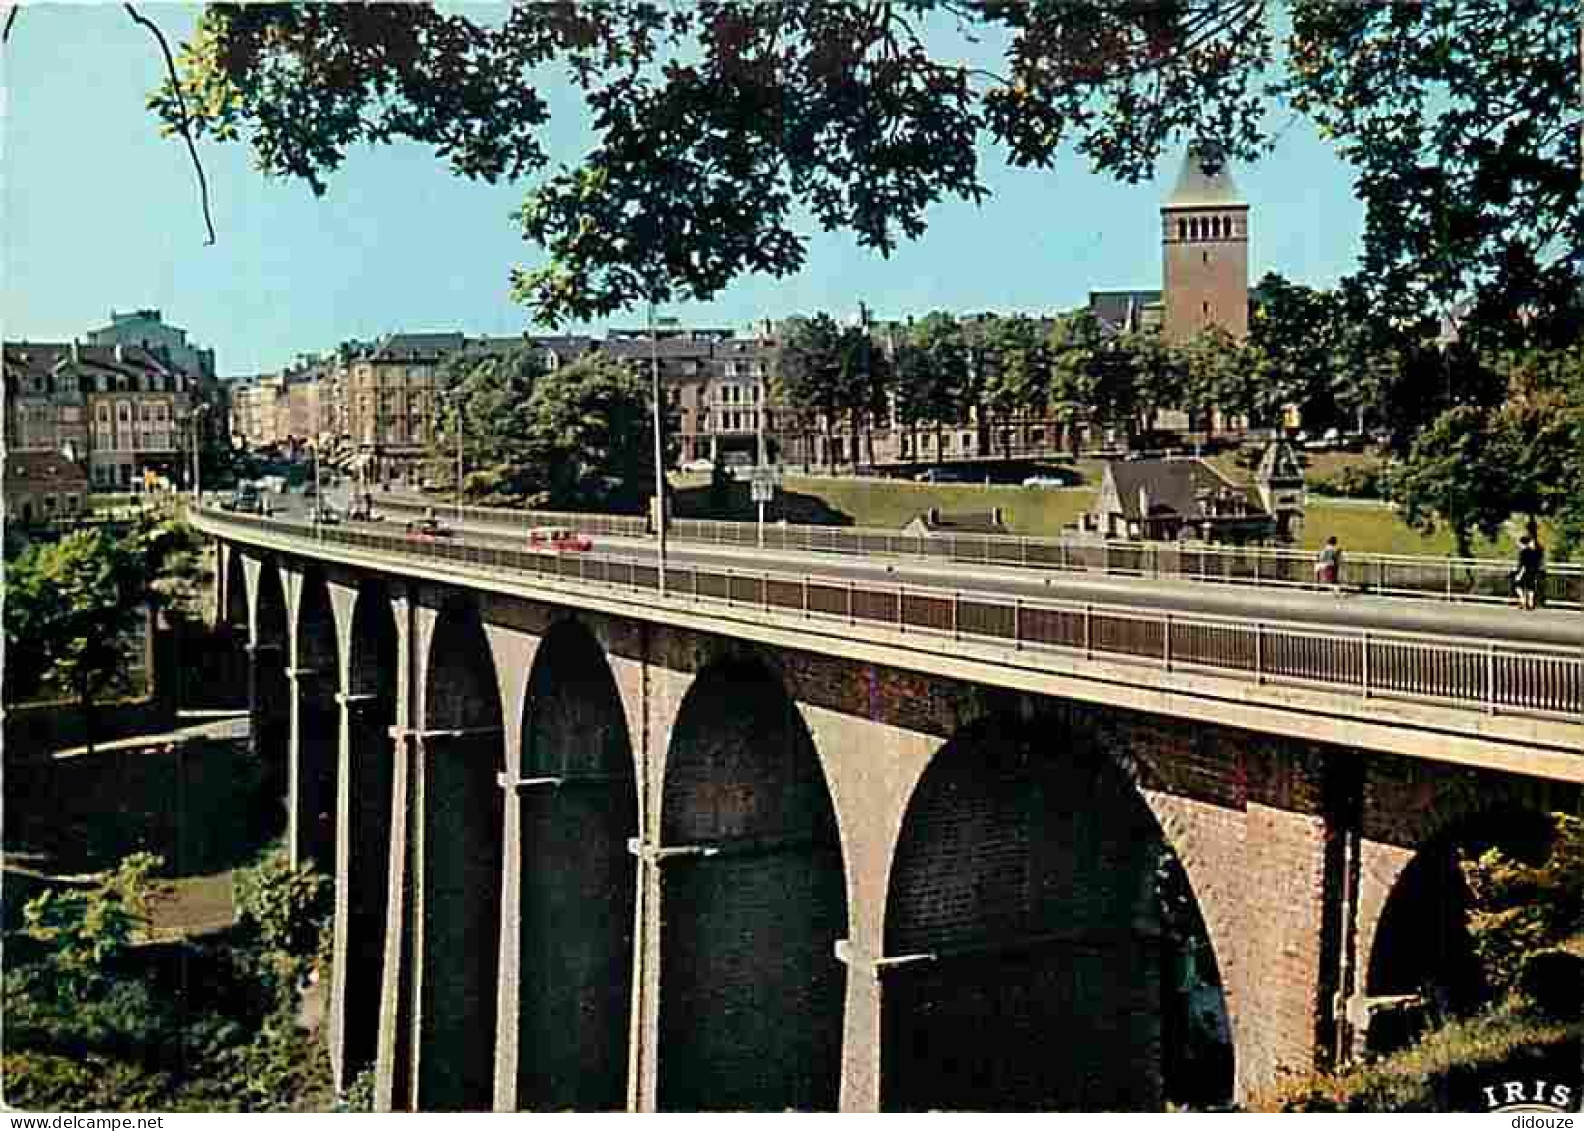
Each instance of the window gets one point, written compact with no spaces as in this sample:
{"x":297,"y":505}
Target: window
{"x":124,"y":412}
{"x":1206,"y":256}
{"x":1182,"y":229}
{"x":71,"y":414}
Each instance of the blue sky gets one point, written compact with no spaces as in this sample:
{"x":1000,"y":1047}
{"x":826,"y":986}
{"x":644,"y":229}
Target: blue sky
{"x":100,"y":212}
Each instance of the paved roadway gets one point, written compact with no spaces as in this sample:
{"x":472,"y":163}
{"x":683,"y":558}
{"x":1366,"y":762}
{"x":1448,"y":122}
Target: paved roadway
{"x":1401,"y":614}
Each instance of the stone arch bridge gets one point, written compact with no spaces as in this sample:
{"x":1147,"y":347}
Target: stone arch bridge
{"x":595,"y":848}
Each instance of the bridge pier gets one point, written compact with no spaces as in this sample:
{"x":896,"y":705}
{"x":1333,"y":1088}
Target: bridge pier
{"x":362,"y":878}
{"x":454,"y":922}
{"x":863,"y":1030}
{"x":312,"y":756}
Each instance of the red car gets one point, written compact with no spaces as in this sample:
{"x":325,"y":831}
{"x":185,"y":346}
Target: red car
{"x":427,"y":529}
{"x":558,"y":538}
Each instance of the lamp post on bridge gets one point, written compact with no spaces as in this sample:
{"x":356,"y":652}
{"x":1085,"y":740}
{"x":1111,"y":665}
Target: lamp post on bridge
{"x":659,"y":444}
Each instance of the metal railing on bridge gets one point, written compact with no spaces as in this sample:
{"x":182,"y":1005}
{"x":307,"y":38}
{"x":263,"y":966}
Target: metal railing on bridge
{"x":1493,"y":676}
{"x":1399,"y":575}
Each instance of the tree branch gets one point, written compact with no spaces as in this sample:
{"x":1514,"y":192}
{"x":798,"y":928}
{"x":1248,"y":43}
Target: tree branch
{"x":181,"y":105}
{"x":11,"y":15}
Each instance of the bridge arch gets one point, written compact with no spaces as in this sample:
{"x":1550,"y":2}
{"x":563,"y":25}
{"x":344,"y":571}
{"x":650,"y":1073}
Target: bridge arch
{"x":1029,"y":958}
{"x":317,"y":677}
{"x":462,"y":752}
{"x":752,"y":903}
{"x":365,"y":805}
{"x":577,"y":793}
{"x":1421,"y":948}
{"x":270,"y":697}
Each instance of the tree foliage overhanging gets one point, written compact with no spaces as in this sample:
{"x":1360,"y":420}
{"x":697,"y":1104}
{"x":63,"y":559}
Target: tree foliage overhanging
{"x":722,"y":128}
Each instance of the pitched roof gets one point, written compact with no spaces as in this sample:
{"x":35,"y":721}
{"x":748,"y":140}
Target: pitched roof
{"x":1205,"y":179}
{"x":1120,"y":310}
{"x":1175,"y":485}
{"x":394,"y":347}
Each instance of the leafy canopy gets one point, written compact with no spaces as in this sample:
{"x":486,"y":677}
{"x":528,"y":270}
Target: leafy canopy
{"x":719,"y":125}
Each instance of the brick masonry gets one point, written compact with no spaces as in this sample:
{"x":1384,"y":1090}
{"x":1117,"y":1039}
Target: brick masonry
{"x":901,"y":865}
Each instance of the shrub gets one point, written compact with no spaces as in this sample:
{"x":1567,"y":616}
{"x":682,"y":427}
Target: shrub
{"x":86,"y":930}
{"x":1519,"y":907}
{"x":1553,"y":980}
{"x":286,"y":907}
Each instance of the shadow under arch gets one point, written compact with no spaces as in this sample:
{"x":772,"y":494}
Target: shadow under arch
{"x":269,"y":699}
{"x":579,"y":808}
{"x":1422,"y":945}
{"x":459,"y":845}
{"x":752,"y":999}
{"x":318,"y":724}
{"x":365,"y":804}
{"x":1032,"y":934}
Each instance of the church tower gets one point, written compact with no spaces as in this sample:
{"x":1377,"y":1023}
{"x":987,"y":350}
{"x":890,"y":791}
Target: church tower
{"x":1204,"y":249}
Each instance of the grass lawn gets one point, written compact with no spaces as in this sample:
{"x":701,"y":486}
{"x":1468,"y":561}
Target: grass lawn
{"x":890,"y":504}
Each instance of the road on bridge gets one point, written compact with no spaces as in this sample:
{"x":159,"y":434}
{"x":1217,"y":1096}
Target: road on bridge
{"x":1453,"y":620}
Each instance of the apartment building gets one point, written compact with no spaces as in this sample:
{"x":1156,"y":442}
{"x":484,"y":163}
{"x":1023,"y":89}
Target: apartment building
{"x":122,"y":409}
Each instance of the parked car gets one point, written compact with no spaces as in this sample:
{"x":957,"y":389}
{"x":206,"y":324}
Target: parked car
{"x":247,"y":501}
{"x":940,"y":475}
{"x":429,"y":528}
{"x":698,"y":466}
{"x":558,"y":538}
{"x":1048,"y":480}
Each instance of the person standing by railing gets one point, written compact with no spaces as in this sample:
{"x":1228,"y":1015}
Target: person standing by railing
{"x":1526,"y":577}
{"x":1328,"y":565}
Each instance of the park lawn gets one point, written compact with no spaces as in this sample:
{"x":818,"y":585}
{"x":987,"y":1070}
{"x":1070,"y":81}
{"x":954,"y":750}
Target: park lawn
{"x":891,"y":504}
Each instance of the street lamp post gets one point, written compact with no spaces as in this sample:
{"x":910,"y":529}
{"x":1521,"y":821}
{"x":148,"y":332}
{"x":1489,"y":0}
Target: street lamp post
{"x":456,"y":401}
{"x":197,"y":464}
{"x":659,"y":449}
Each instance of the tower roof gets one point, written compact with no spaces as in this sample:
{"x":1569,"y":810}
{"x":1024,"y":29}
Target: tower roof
{"x":1205,"y":179}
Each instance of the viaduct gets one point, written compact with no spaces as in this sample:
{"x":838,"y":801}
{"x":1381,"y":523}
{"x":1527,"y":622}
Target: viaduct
{"x":749,"y":846}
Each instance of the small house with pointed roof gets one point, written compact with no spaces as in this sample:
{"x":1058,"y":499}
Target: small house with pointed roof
{"x":1169,"y":499}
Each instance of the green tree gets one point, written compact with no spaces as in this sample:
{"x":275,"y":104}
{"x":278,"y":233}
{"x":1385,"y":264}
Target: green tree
{"x":1216,"y":376}
{"x":1462,"y":121}
{"x":865,"y":377}
{"x":72,"y":607}
{"x":808,"y":376}
{"x":932,"y":375}
{"x":1083,"y":388}
{"x":718,"y":125}
{"x":1452,"y":477}
{"x":590,"y":438}
{"x":1014,"y":373}
{"x":492,"y":392}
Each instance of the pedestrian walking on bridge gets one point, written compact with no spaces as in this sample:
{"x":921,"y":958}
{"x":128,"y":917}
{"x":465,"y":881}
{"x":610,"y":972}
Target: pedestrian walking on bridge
{"x":1328,"y":565}
{"x":1526,"y":576}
